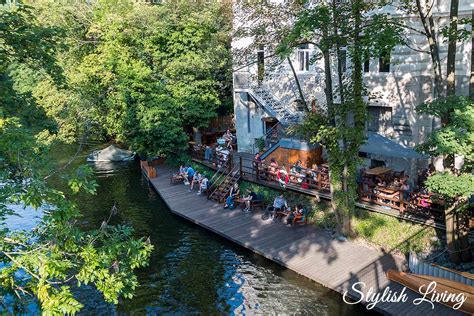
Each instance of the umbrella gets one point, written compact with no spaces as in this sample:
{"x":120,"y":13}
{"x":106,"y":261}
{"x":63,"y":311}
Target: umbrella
{"x":380,"y":145}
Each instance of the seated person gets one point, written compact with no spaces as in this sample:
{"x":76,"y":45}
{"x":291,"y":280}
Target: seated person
{"x":203,"y":185}
{"x":279,"y":205}
{"x":299,"y":210}
{"x":196,"y":180}
{"x":272,"y":169}
{"x":297,"y":172}
{"x":233,"y":194}
{"x":381,"y":182}
{"x":251,"y":196}
{"x":181,"y":173}
{"x":282,"y":176}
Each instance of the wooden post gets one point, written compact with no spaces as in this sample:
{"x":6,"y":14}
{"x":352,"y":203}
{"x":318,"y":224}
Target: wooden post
{"x":402,"y":201}
{"x":240,"y":166}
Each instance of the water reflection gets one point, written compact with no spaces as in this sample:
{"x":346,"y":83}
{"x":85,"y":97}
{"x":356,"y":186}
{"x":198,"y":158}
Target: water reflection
{"x":193,"y":271}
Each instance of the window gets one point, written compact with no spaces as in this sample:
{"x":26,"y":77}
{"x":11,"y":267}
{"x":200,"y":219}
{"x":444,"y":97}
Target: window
{"x":384,"y":62}
{"x":380,"y":118}
{"x":260,"y":63}
{"x":367,"y":65}
{"x":343,"y":60}
{"x":303,"y":57}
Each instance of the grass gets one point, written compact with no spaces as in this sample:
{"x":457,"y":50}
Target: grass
{"x":383,"y":231}
{"x":391,"y":233}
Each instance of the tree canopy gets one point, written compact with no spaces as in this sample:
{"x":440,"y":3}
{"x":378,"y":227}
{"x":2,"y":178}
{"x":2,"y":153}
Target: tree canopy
{"x":139,"y":74}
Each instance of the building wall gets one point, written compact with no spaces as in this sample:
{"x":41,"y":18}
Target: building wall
{"x":248,"y":122}
{"x":408,"y":83}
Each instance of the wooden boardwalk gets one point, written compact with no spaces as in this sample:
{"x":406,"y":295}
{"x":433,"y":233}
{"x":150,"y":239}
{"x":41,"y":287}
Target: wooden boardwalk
{"x":304,"y":249}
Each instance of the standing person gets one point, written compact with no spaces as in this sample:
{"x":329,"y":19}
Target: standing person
{"x":257,"y":160}
{"x":233,"y":194}
{"x":203,"y":185}
{"x":405,"y":188}
{"x":251,"y":196}
{"x":228,"y":139}
{"x":208,"y":153}
{"x":190,"y":173}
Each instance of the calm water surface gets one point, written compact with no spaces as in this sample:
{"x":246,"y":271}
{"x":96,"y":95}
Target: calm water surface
{"x":193,"y":271}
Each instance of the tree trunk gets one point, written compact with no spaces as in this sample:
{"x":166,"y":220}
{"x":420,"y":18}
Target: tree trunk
{"x":338,"y":51}
{"x":471,"y":82}
{"x":428,"y":25}
{"x":463,"y":237}
{"x":300,"y":91}
{"x":451,"y":66}
{"x":328,"y":80}
{"x":451,"y":234}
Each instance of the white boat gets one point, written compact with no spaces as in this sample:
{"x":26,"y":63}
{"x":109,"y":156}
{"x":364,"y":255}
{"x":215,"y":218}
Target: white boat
{"x":111,"y":153}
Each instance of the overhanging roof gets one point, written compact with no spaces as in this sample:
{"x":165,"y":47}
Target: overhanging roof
{"x":380,"y":145}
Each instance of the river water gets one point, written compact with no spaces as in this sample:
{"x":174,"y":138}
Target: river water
{"x":193,"y":271}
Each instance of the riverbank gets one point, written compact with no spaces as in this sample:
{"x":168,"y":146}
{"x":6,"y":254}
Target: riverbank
{"x":306,"y":250}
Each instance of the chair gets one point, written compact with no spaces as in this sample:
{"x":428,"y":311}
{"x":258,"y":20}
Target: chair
{"x":176,"y":178}
{"x":258,"y":202}
{"x":300,"y":218}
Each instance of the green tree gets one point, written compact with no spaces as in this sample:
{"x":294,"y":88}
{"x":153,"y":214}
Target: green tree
{"x":48,"y":261}
{"x":142,"y":75}
{"x":341,"y":128}
{"x":454,"y":137}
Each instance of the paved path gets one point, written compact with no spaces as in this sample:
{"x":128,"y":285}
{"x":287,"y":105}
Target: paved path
{"x":305,"y":249}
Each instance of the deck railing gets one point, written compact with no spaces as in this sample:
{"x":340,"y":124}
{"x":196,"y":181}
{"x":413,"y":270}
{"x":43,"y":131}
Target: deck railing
{"x":316,"y":182}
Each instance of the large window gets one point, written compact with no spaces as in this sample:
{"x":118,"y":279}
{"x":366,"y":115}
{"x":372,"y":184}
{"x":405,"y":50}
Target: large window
{"x":367,"y":64}
{"x":384,"y":62}
{"x":343,"y":59}
{"x":303,"y":57}
{"x":380,"y":118}
{"x":260,"y":62}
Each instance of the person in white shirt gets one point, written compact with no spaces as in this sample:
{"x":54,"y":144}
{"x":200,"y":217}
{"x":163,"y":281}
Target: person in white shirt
{"x":203,"y":185}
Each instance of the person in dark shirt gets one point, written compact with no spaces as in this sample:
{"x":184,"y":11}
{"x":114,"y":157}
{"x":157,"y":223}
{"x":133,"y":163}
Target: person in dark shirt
{"x":251,"y":196}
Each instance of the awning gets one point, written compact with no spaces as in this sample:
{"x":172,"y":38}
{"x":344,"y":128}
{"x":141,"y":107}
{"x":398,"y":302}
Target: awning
{"x":380,"y":145}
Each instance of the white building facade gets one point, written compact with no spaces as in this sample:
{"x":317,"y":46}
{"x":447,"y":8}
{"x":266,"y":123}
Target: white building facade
{"x":395,"y":88}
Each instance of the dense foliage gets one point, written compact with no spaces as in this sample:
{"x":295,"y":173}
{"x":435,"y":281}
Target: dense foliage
{"x":454,"y":138}
{"x":341,"y":126}
{"x":140,"y":74}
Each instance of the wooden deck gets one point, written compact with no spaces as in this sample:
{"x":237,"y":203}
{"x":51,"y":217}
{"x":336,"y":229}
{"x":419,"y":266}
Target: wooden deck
{"x":304,"y":249}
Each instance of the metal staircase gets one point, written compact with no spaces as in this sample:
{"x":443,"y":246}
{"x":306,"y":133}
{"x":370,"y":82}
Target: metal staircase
{"x":274,"y":107}
{"x":222,"y":184}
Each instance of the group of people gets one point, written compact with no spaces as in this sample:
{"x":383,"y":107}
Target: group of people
{"x":194,"y":179}
{"x":280,"y":208}
{"x":247,"y":199}
{"x":297,"y":174}
{"x":220,"y":155}
{"x":277,"y":209}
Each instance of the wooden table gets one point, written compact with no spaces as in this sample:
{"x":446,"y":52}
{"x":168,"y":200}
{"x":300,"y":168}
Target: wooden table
{"x":377,"y":171}
{"x":387,"y":190}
